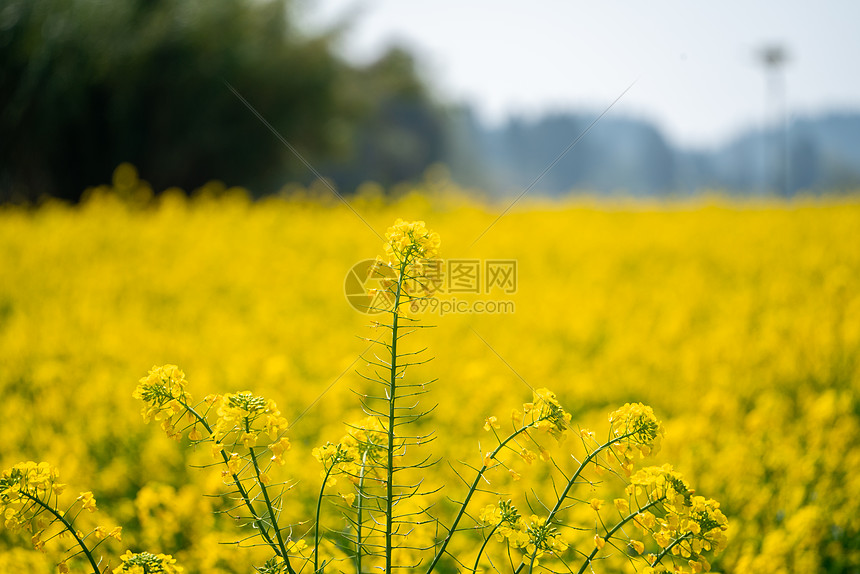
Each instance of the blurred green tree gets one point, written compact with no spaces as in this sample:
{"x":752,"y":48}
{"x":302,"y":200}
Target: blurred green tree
{"x":85,"y":85}
{"x":399,"y":131}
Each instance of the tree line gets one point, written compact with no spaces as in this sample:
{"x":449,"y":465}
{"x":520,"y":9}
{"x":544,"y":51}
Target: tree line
{"x":159,"y":83}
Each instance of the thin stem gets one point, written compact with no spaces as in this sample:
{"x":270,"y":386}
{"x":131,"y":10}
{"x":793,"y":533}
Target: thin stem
{"x":279,"y":548}
{"x":669,"y":548}
{"x":317,"y":527}
{"x":472,"y":490}
{"x":615,"y":529}
{"x":273,"y":519}
{"x":573,"y":479}
{"x":483,"y":546}
{"x":532,"y":561}
{"x":392,"y":390}
{"x":360,"y":514}
{"x":59,"y":516}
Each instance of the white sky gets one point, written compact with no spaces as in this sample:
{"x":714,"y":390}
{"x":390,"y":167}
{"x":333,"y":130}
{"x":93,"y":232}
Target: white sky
{"x":694,"y":63}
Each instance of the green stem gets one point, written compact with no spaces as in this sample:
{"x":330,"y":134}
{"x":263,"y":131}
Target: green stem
{"x":67,"y":526}
{"x":615,"y":529}
{"x":279,"y":548}
{"x":265,"y":491}
{"x":483,"y":546}
{"x":468,"y":498}
{"x":392,"y":390}
{"x":319,"y":505}
{"x":669,"y":548}
{"x":532,"y":561}
{"x":360,"y":514}
{"x":573,"y":479}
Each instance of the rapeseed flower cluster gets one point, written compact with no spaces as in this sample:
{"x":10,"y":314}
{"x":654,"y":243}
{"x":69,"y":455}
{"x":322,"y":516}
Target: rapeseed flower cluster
{"x":411,"y":257}
{"x":637,"y":433}
{"x":146,"y":563}
{"x":543,"y":414}
{"x":658,"y":499}
{"x":239,"y":420}
{"x":367,"y":437}
{"x":26,"y":490}
{"x":30,"y":500}
{"x":410,"y":242}
{"x":547,"y":413}
{"x":505,"y":518}
{"x":243,"y":416}
{"x":274,"y":565}
{"x":164,"y":397}
{"x":361,"y":453}
{"x":240,"y":417}
{"x":534,"y":535}
{"x":680,"y":522}
{"x":336,"y":459}
{"x":543,"y":538}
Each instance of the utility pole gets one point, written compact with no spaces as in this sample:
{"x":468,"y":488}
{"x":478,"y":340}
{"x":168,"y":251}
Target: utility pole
{"x":774,"y":57}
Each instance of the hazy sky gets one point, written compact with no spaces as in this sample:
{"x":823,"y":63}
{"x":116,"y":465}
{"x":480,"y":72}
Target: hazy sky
{"x":694,"y":63}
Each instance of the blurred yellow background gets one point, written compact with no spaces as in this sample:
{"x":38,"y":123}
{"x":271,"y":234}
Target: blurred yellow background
{"x":738,"y":321}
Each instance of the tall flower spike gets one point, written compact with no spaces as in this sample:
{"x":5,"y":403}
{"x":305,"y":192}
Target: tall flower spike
{"x":410,"y":241}
{"x":549,"y":414}
{"x":411,"y":250}
{"x":637,"y":430}
{"x":163,"y":393}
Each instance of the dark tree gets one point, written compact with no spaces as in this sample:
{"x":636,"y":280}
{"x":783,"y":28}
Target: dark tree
{"x":86,"y":85}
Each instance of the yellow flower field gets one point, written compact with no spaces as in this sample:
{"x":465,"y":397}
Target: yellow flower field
{"x":738,"y":322}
